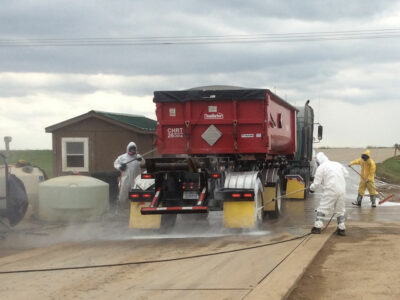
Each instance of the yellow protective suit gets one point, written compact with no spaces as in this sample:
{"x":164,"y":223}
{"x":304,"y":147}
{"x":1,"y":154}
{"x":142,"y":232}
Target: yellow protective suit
{"x":368,"y":169}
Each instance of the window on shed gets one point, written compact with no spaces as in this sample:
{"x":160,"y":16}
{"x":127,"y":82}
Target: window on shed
{"x":75,"y":154}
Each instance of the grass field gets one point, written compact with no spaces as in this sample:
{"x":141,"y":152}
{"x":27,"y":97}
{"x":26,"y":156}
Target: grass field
{"x":40,"y":158}
{"x":390,"y":169}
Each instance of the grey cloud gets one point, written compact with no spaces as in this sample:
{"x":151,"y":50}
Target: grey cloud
{"x":171,"y":60}
{"x":303,"y":66}
{"x":8,"y":90}
{"x":111,"y":18}
{"x":64,"y":19}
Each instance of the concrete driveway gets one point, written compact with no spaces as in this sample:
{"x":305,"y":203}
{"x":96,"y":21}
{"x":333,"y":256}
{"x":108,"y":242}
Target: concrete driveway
{"x":260,"y":271}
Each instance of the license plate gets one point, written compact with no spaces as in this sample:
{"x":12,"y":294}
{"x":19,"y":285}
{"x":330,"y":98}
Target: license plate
{"x":190,"y":195}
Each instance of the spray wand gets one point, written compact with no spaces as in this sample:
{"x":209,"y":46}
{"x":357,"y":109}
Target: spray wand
{"x":285,"y":196}
{"x":140,"y":158}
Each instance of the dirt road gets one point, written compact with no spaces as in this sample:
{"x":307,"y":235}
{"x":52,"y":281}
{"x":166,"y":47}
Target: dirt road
{"x":369,"y":250}
{"x":225,"y":276}
{"x":363,"y":265}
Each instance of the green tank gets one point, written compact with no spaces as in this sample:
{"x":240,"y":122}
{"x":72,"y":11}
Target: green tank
{"x":73,"y":198}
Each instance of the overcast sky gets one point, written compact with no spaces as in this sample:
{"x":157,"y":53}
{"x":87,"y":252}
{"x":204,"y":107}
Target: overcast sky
{"x":353,"y":83}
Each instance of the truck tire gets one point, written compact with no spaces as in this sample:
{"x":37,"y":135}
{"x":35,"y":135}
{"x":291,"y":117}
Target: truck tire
{"x":167,"y":223}
{"x":278,"y":205}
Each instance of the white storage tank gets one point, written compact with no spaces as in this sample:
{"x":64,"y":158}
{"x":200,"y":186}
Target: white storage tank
{"x":31,"y":177}
{"x":73,"y":198}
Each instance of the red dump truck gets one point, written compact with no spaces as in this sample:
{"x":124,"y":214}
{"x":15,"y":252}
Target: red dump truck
{"x":227,"y":148}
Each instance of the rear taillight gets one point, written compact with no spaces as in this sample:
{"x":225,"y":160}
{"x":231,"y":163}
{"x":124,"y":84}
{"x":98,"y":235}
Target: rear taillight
{"x":215,"y":175}
{"x":141,"y":196}
{"x":147,"y":176}
{"x":242,"y":195}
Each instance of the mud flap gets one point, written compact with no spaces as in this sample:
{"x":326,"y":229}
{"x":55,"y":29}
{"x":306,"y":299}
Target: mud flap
{"x":139,"y":221}
{"x":239,"y":214}
{"x":273,"y":200}
{"x":269,"y":198}
{"x":295,"y":187}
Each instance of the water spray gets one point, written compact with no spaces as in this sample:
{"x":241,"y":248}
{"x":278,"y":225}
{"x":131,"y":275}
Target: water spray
{"x":285,"y":196}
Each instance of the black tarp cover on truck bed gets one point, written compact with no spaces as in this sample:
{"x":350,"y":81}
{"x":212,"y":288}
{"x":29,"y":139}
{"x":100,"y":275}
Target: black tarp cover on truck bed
{"x":210,"y":93}
{"x":216,"y":93}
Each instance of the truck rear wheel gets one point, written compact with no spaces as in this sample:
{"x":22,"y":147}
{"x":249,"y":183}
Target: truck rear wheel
{"x":278,"y":202}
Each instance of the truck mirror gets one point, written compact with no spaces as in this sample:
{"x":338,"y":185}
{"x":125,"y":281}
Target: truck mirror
{"x":320,"y":130}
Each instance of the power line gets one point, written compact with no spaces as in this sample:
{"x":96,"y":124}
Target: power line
{"x":395,"y":30}
{"x":204,"y":39}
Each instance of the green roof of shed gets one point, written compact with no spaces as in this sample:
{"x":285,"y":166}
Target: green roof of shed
{"x":135,"y":122}
{"x":132,"y":120}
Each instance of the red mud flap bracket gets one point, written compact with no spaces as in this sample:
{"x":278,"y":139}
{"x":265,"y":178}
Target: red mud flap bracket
{"x":174,"y":210}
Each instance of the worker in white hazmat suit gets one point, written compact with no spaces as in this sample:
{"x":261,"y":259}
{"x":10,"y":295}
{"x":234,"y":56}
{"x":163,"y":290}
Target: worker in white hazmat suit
{"x":129,"y":164}
{"x":330,"y":175}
